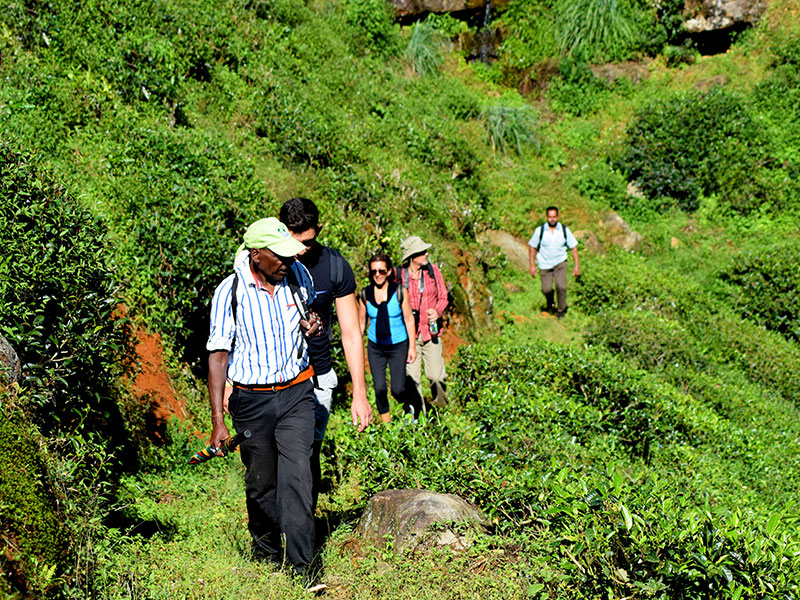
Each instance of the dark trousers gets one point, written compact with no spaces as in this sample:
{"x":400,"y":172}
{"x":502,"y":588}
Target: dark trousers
{"x":393,"y":355}
{"x":559,"y":275}
{"x":278,"y":476}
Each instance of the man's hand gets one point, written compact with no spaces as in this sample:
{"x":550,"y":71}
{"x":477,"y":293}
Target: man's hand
{"x":534,"y":271}
{"x":312,"y":327}
{"x":219,"y":432}
{"x":433,"y":314}
{"x":361,"y":411}
{"x":576,"y":271}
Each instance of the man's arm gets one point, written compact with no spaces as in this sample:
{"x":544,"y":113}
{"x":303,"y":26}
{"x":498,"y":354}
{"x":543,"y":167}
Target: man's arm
{"x":532,"y":257}
{"x":217,"y":370}
{"x":348,"y":314}
{"x":441,"y":295}
{"x":577,"y":270}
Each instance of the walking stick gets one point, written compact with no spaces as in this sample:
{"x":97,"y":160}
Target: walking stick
{"x":227,"y":445}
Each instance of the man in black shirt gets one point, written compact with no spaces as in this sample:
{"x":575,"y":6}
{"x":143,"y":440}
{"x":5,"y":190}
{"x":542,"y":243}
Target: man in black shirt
{"x":334,"y":282}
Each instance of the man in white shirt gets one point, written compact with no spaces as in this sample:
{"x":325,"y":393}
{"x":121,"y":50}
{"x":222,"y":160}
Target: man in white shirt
{"x":259,"y":326}
{"x":548,"y":248}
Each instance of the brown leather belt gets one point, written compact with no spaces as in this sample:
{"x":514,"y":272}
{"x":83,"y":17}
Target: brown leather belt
{"x":303,"y":376}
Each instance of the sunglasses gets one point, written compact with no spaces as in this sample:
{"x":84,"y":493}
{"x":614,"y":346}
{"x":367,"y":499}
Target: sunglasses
{"x":379,"y":271}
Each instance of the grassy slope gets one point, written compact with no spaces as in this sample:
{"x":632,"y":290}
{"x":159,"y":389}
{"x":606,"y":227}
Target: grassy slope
{"x":198,"y":550}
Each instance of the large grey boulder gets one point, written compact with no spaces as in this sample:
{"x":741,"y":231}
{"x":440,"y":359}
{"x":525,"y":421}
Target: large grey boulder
{"x":409,"y":8}
{"x":515,"y":249}
{"x":406,"y":515}
{"x":711,"y":15}
{"x":9,"y":362}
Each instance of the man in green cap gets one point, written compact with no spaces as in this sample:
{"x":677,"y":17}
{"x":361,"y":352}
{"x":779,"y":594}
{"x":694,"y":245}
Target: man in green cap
{"x":259,"y":325}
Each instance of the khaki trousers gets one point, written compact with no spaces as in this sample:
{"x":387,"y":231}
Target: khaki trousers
{"x":559,"y":274}
{"x":430,"y":354}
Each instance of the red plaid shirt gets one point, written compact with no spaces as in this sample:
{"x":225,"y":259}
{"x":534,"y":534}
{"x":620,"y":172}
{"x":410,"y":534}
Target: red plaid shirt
{"x":433,"y":295}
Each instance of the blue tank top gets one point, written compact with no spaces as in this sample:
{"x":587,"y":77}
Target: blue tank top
{"x":397,"y":327}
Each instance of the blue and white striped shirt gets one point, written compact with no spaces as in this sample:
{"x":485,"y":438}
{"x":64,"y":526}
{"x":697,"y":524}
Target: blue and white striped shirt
{"x":267,"y":329}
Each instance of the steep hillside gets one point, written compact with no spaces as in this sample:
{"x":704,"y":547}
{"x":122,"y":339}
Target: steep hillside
{"x":646,"y":446}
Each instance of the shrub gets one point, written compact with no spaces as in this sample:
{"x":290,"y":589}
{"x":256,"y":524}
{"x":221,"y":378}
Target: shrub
{"x":577,"y":90}
{"x":698,"y":144}
{"x":374,"y":22}
{"x":510,"y":128}
{"x":684,"y":54}
{"x":764,"y":287}
{"x":601,"y":184}
{"x":600,"y":30}
{"x":58,"y":301}
{"x":424,"y":50}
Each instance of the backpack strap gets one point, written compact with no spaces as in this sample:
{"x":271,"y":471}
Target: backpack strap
{"x":564,"y":231}
{"x":541,"y":235}
{"x":234,"y":305}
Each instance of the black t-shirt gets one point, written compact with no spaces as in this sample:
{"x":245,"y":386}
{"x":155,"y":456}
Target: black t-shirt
{"x":333,"y":278}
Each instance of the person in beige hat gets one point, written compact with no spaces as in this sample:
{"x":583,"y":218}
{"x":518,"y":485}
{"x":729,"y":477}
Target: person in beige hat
{"x":428,"y":295}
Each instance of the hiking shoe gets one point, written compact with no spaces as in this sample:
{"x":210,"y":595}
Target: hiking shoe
{"x":315,"y":587}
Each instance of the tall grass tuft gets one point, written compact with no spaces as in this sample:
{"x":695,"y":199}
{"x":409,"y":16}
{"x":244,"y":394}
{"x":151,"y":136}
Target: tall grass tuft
{"x":510,"y":128}
{"x":425,"y":49}
{"x":596,"y":29}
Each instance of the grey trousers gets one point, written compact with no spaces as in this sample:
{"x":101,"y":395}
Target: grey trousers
{"x":559,"y":274}
{"x":278,"y":472}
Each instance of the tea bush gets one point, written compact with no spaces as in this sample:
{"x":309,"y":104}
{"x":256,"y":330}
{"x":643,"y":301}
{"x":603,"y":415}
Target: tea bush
{"x":764,"y":287}
{"x":577,"y":91}
{"x":58,"y":296}
{"x":698,"y":144}
{"x":644,"y":313}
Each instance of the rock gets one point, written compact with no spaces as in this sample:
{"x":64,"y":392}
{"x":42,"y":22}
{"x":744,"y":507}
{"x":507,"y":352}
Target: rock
{"x":410,"y":8}
{"x":633,"y":191}
{"x":610,"y":72}
{"x":590,"y":241}
{"x":10,"y":370}
{"x":514,"y":248}
{"x":615,"y":225}
{"x":674,"y":243}
{"x":706,"y":85}
{"x":712,"y":15}
{"x":406,"y":515}
{"x":513,"y":288}
{"x":621,"y":233}
{"x":628,"y":241}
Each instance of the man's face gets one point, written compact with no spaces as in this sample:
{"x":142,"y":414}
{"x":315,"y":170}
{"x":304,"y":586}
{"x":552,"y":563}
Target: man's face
{"x":552,"y":217}
{"x":269,"y":264}
{"x":308,"y":238}
{"x":420,"y":260}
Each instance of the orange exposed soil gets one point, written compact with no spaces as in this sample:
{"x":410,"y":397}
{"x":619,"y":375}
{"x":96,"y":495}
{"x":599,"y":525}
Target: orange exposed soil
{"x":152,"y":386}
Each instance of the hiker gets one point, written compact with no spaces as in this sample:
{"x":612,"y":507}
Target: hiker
{"x":259,"y":327}
{"x":334,"y":285}
{"x":389,"y":331}
{"x":428,"y":295}
{"x":548,"y":247}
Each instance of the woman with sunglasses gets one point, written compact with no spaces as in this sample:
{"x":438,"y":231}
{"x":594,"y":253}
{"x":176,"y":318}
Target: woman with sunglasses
{"x":385,"y":312}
